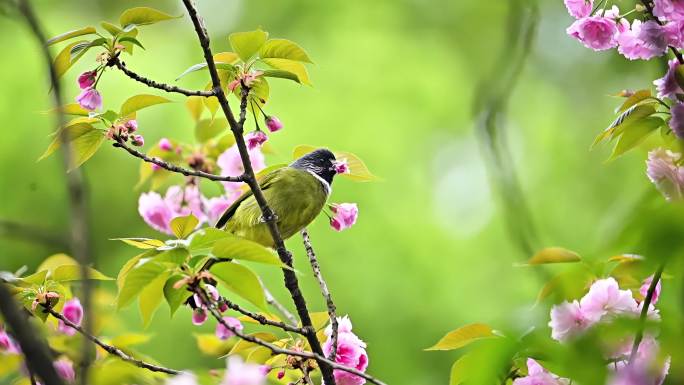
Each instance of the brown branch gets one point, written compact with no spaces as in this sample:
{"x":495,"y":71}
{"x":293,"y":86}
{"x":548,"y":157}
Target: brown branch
{"x":78,"y":197}
{"x":644,"y":311}
{"x":291,"y":281}
{"x":276,"y":349}
{"x":324,"y":290}
{"x":33,"y":347}
{"x":113,"y":350}
{"x":265,"y":321}
{"x":174,"y":168}
{"x":154,"y":84}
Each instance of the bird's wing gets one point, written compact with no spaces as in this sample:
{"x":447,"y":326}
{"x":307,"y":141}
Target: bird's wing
{"x":265,"y":182}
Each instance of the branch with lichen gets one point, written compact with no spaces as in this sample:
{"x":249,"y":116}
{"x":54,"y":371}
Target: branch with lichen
{"x":114,"y":61}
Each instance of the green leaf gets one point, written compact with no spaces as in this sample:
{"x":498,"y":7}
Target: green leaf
{"x":204,"y":239}
{"x":175,"y":297}
{"x":239,"y":248}
{"x":71,"y":34}
{"x":241,"y":281}
{"x":143,"y":16}
{"x":79,"y":50}
{"x":281,"y":74}
{"x":131,"y":39}
{"x":463,"y":336}
{"x":137,"y":279}
{"x":138,"y":102}
{"x":210,"y":345}
{"x":460,"y":369}
{"x":635,"y":98}
{"x":636,"y":133}
{"x":63,"y":60}
{"x":36,"y":278}
{"x":292,"y":66}
{"x":73,"y":273}
{"x":625,"y":119}
{"x":70,"y":109}
{"x":150,"y":298}
{"x":206,"y":129}
{"x":141,"y":243}
{"x":246,"y":44}
{"x":85,"y":141}
{"x":195,"y":106}
{"x":176,"y":256}
{"x":183,"y":226}
{"x":113,"y":30}
{"x":283,"y":49}
{"x":54,"y":261}
{"x":201,"y":66}
{"x":127,"y":267}
{"x":226,"y":57}
{"x":129,"y":339}
{"x":554,"y":255}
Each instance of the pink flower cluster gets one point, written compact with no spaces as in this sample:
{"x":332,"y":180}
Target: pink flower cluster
{"x":345,"y":215}
{"x":90,"y":99}
{"x":351,"y":351}
{"x":664,"y":170}
{"x":238,"y":372}
{"x":606,"y":29}
{"x":603,"y":302}
{"x":199,"y":313}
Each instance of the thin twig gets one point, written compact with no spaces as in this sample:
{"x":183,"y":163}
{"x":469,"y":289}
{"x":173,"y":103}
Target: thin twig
{"x":177,"y":169}
{"x":278,"y":306}
{"x":76,"y":188}
{"x":263,"y":320}
{"x":113,"y":350}
{"x":291,"y":281}
{"x":31,"y":233}
{"x":33,"y":347}
{"x":276,"y":349}
{"x":154,"y":84}
{"x":324,"y":290}
{"x":644,"y":311}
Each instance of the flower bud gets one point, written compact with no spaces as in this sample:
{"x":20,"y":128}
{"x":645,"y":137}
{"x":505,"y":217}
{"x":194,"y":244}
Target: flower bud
{"x":223,"y":333}
{"x":199,"y":316}
{"x":273,"y":123}
{"x":87,"y":79}
{"x":65,"y":369}
{"x":281,"y":374}
{"x":341,"y":166}
{"x":165,"y":145}
{"x":138,"y":140}
{"x":131,"y":126}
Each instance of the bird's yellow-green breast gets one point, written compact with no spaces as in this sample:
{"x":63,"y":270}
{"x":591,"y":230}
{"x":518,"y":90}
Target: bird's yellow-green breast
{"x":295,"y":195}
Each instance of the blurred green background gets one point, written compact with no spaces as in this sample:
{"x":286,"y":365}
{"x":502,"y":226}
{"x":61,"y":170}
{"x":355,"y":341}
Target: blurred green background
{"x":393,"y":82}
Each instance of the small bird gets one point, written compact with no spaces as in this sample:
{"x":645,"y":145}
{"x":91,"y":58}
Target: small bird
{"x":297,"y":193}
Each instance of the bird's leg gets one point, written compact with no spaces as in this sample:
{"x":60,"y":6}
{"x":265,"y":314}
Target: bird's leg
{"x":268,"y":218}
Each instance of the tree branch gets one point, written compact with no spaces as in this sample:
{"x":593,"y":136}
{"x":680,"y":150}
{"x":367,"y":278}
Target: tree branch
{"x":174,"y":168}
{"x":33,"y":348}
{"x":154,"y":84}
{"x":276,"y":349}
{"x":113,"y":350}
{"x":278,"y":306}
{"x":291,"y":281}
{"x":644,"y":311}
{"x":265,"y":321}
{"x":324,"y":290}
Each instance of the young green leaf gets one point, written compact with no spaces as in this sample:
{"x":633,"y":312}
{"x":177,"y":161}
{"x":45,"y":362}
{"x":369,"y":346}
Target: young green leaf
{"x":283,"y":49}
{"x":358,"y":171}
{"x":634,"y":134}
{"x":195,"y":107}
{"x":246,"y":44}
{"x":141,"y":243}
{"x":63,"y":60}
{"x":85,"y":141}
{"x":203,"y":240}
{"x":292,"y":66}
{"x":463,"y":336}
{"x":241,"y":281}
{"x":128,"y":266}
{"x":79,"y":50}
{"x":73,"y":273}
{"x":554,"y":255}
{"x":635,"y":98}
{"x":226,"y":57}
{"x":201,"y":66}
{"x":151,"y":297}
{"x":142,"y":16}
{"x":138,"y":102}
{"x":113,"y":29}
{"x":175,"y":297}
{"x":131,"y":39}
{"x":281,"y":74}
{"x":175,"y":256}
{"x":71,"y":34}
{"x":184,"y":226}
{"x":137,"y":279}
{"x":238,"y":248}
{"x":130,"y":339}
{"x":206,"y":129}
{"x":210,"y":345}
{"x":626,"y":118}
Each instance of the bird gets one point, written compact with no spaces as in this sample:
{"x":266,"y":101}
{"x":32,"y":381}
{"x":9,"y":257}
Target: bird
{"x":296,"y":193}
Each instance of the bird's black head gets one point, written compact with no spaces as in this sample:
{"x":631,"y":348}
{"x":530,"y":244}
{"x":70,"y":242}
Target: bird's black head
{"x":319,"y":162}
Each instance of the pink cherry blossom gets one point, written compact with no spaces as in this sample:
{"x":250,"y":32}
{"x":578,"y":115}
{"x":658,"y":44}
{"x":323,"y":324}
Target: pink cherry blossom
{"x":255,"y":139}
{"x":165,"y":144}
{"x":7,"y":344}
{"x":90,"y":99}
{"x":213,"y":294}
{"x":674,"y":33}
{"x":605,"y":298}
{"x":644,"y":40}
{"x":579,"y":8}
{"x":351,"y":351}
{"x":345,"y":215}
{"x":667,"y":86}
{"x":672,"y":10}
{"x":596,"y":32}
{"x":663,"y":171}
{"x":87,"y":79}
{"x":646,"y":369}
{"x":231,"y":164}
{"x":65,"y":369}
{"x":215,"y":207}
{"x":341,"y":166}
{"x":185,"y":201}
{"x":273,"y":123}
{"x":677,"y":120}
{"x":223,"y":333}
{"x":155,"y":211}
{"x":199,"y":315}
{"x":73,"y":311}
{"x":656,"y":293}
{"x":242,"y":373}
{"x":537,"y":375}
{"x":568,"y":320}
